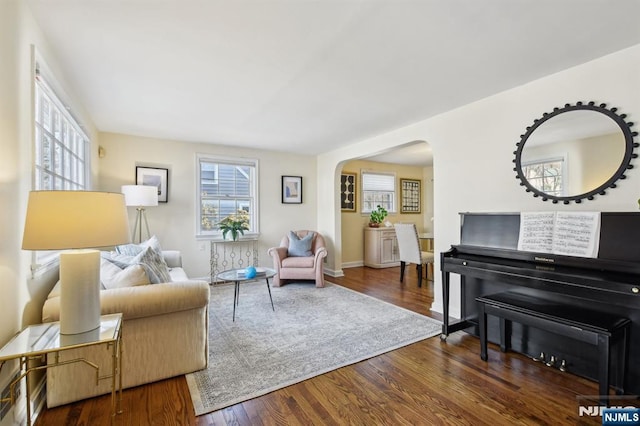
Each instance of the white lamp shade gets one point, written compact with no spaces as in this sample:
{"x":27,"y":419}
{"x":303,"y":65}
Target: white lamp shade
{"x":140,"y":195}
{"x":76,"y":220}
{"x":59,"y":220}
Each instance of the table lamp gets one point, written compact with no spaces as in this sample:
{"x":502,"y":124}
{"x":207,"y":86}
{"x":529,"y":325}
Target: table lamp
{"x":77,"y":222}
{"x":140,"y":196}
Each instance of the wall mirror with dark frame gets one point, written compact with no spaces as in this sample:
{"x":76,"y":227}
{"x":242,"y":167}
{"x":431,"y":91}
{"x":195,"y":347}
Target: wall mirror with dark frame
{"x":575,"y":152}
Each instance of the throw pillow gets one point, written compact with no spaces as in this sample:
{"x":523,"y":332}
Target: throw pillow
{"x":300,"y":247}
{"x":136,"y":249}
{"x":154,"y":265}
{"x":108,"y":269}
{"x":129,"y":277}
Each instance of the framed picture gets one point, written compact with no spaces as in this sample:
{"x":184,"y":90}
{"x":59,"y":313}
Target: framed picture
{"x":348,"y":189}
{"x":292,"y":189}
{"x":410,"y":201}
{"x":153,"y":176}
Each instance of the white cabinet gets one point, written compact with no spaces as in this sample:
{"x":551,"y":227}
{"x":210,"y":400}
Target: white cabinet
{"x":380,"y":247}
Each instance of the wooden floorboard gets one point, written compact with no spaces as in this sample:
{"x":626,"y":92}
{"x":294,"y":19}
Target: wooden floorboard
{"x":429,"y":382}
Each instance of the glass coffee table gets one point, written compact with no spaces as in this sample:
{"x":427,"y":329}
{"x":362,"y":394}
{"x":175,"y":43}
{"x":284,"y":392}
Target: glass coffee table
{"x":238,"y":276}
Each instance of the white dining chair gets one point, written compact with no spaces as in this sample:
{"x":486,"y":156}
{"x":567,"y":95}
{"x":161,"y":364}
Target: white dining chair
{"x":409,"y":250}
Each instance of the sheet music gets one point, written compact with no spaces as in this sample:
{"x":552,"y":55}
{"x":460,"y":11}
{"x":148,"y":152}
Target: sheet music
{"x":577,"y":234}
{"x":565,"y":233}
{"x":536,"y":231}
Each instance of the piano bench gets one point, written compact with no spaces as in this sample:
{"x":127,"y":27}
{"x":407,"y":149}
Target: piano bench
{"x":577,"y":322}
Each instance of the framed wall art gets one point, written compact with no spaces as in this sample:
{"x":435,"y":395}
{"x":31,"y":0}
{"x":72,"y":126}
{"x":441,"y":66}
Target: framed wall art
{"x":348,"y":189}
{"x":154,"y":176}
{"x":292,"y":189}
{"x":410,"y":196}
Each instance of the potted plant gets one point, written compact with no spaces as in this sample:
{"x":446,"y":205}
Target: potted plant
{"x":234,"y":223}
{"x":377,"y":216}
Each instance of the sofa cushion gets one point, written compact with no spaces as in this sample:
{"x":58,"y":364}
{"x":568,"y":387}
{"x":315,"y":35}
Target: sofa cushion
{"x":300,"y":247}
{"x":178,"y":274}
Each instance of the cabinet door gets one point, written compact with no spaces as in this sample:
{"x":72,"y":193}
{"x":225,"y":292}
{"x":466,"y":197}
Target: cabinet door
{"x":388,"y":248}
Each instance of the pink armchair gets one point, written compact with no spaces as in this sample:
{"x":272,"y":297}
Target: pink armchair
{"x":299,"y":267}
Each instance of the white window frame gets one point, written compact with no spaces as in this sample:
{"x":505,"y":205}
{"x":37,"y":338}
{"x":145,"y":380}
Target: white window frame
{"x":563,"y":171}
{"x":394,"y":193}
{"x":67,"y":164}
{"x":253,"y":198}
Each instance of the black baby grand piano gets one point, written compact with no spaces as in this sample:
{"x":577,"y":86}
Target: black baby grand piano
{"x":488,"y":262}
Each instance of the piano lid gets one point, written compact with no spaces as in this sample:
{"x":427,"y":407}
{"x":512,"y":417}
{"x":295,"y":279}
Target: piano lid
{"x":619,"y":237}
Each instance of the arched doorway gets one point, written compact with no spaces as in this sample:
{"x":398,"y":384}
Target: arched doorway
{"x":411,"y":162}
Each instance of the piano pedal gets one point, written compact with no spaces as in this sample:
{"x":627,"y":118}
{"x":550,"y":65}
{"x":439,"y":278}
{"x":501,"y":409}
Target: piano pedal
{"x":551,"y":362}
{"x":563,"y":366}
{"x":540,"y":358}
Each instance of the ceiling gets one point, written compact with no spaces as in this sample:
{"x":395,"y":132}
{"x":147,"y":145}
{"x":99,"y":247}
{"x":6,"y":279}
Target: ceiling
{"x":309,"y":76}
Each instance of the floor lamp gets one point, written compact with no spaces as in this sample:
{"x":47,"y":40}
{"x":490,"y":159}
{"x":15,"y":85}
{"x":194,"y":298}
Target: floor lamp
{"x":76,"y":222}
{"x":140,"y":196}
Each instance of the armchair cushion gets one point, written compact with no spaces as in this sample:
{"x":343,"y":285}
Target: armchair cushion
{"x":300,"y":247}
{"x":298,"y":262}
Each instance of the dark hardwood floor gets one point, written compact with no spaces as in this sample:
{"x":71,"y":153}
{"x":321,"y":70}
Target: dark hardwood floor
{"x":429,"y":382}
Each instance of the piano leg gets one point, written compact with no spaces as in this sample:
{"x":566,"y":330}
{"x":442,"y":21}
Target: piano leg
{"x":445,"y":306}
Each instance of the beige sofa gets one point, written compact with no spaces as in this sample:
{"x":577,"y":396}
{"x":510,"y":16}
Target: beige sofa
{"x":164,"y":335}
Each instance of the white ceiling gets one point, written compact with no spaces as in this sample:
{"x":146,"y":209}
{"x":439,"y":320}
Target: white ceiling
{"x":309,"y":76}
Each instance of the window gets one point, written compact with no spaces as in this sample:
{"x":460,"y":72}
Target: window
{"x":378,"y":189}
{"x":61,"y":159}
{"x":225,"y":185}
{"x":61,"y":147}
{"x":546,"y":176}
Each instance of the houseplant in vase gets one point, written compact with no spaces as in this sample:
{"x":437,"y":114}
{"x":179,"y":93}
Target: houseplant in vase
{"x":377,"y":216}
{"x":235,"y":224}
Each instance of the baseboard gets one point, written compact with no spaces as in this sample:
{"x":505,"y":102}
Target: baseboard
{"x":356,"y":264}
{"x":334,"y":273}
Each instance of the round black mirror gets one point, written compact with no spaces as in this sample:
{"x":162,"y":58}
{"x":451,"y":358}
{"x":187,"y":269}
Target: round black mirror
{"x":575,"y":152}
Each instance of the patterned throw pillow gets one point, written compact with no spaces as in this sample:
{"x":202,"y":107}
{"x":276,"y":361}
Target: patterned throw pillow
{"x":154,"y":265}
{"x":300,"y":247}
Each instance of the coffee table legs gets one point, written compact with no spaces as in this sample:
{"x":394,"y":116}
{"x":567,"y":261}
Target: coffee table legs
{"x":236,"y":293}
{"x":236,"y":296}
{"x":269,"y":288}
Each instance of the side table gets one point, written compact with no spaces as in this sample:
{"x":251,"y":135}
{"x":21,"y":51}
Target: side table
{"x":41,"y":341}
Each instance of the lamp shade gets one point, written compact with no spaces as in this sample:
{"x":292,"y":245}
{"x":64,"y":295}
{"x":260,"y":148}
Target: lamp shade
{"x":58,"y":220}
{"x":140,"y":195}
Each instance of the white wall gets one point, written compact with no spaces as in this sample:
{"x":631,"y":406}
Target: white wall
{"x":473,"y":149}
{"x":174,"y":222}
{"x":22,"y":295}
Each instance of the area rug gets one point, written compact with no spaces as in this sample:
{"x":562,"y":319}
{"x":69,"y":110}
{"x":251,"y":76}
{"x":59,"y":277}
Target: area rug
{"x":312,"y":331}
